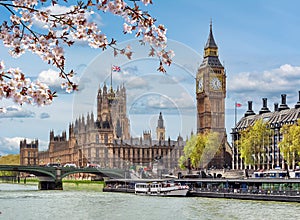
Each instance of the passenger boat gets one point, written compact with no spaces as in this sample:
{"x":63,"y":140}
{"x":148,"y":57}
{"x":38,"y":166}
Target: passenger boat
{"x":161,"y":189}
{"x":277,"y":173}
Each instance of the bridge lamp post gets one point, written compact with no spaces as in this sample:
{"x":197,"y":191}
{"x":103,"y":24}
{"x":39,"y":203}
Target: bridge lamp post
{"x":126,"y":170}
{"x":81,"y":155}
{"x":58,"y":160}
{"x":41,"y":162}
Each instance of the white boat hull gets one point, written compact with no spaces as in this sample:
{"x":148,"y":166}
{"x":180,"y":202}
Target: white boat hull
{"x":161,"y":189}
{"x":180,"y":192}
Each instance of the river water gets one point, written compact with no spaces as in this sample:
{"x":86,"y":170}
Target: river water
{"x":26,"y":202}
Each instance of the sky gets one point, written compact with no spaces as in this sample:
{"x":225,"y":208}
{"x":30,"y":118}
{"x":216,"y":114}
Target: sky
{"x":258,"y":43}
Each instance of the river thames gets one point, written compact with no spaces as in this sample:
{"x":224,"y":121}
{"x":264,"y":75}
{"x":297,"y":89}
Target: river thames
{"x":26,"y":202}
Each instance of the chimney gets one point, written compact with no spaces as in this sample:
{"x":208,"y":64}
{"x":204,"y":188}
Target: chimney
{"x":276,"y":107}
{"x":283,"y":104}
{"x":298,"y":103}
{"x":249,"y":111}
{"x":264,"y":109}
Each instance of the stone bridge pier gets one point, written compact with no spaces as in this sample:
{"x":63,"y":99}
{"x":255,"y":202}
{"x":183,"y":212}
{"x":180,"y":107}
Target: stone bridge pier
{"x":48,"y":183}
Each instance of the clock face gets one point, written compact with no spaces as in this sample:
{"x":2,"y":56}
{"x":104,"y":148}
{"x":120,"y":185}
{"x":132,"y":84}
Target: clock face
{"x":200,"y":84}
{"x":215,"y":83}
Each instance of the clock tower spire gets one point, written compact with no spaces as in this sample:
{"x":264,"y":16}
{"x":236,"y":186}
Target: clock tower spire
{"x":211,"y":48}
{"x":211,"y":89}
{"x":210,"y":94}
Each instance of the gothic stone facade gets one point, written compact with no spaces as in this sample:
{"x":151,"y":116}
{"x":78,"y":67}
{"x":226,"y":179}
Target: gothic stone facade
{"x":105,"y":139}
{"x":29,"y":153}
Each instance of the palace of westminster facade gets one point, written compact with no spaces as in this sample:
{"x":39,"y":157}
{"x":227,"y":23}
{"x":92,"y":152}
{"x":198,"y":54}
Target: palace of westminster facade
{"x":105,"y":139}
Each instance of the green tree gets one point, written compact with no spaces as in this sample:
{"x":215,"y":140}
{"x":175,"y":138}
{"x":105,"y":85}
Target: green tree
{"x":200,"y":149}
{"x":12,"y":159}
{"x":187,"y":151}
{"x":286,"y":143}
{"x":290,"y":144}
{"x":254,"y":144}
{"x":245,"y":147}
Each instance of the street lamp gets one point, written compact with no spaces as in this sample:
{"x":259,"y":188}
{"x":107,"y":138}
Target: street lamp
{"x":126,"y":170}
{"x":58,"y":160}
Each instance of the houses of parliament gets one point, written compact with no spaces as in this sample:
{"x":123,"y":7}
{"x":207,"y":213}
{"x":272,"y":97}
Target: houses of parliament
{"x":104,"y":138}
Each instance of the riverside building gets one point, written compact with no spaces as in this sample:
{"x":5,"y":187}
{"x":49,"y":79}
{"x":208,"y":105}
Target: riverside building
{"x":271,"y":156}
{"x":105,"y":139}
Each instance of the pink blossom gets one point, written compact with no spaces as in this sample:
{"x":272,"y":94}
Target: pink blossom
{"x":20,"y":34}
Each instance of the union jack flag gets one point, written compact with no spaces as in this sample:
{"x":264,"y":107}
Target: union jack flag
{"x":116,"y":68}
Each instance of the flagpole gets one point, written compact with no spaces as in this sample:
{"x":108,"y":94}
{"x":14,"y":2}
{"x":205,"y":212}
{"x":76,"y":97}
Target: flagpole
{"x":235,"y":115}
{"x":111,"y":77}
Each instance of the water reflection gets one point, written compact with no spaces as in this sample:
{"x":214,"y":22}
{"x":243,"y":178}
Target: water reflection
{"x":26,"y":202}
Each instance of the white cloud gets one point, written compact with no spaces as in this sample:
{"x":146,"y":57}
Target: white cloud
{"x":285,"y":79}
{"x":276,"y":79}
{"x":60,"y":9}
{"x":52,"y":79}
{"x":16,"y":112}
{"x":44,"y":115}
{"x":158,"y":102}
{"x":128,"y":76}
{"x":11,"y":145}
{"x":270,"y":84}
{"x":185,"y":100}
{"x":136,"y":83}
{"x":289,"y":70}
{"x":155,"y":102}
{"x":55,"y":9}
{"x":182,"y":101}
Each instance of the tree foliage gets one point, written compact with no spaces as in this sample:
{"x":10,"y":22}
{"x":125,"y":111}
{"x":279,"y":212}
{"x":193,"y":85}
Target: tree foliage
{"x":254,"y":143}
{"x":290,"y":144}
{"x":35,"y":26}
{"x":12,"y":159}
{"x":200,"y":149}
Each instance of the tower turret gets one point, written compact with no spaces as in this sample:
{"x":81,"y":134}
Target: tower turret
{"x":99,"y":103}
{"x":160,"y":129}
{"x":51,"y":135}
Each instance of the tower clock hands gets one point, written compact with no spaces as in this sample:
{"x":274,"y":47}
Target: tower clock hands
{"x":215,"y":83}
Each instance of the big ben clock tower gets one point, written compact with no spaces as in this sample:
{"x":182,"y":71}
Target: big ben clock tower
{"x":210,"y":94}
{"x":211,"y":90}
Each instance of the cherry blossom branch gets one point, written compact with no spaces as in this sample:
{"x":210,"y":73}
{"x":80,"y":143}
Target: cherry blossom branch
{"x":62,"y":29}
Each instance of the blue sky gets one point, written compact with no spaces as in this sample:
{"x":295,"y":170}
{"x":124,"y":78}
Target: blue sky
{"x":258,"y":43}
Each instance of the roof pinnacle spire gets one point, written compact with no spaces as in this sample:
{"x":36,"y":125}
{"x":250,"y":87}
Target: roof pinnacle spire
{"x":210,"y":55}
{"x":210,"y":41}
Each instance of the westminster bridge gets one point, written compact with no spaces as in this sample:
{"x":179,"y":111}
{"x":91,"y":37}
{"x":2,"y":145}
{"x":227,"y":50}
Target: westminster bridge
{"x":50,"y":178}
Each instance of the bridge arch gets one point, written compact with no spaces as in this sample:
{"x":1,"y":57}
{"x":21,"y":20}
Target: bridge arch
{"x":51,"y":177}
{"x":36,"y":170}
{"x":104,"y":172}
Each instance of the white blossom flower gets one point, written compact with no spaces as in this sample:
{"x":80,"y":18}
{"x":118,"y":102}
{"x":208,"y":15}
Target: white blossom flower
{"x":2,"y":66}
{"x":19,"y":35}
